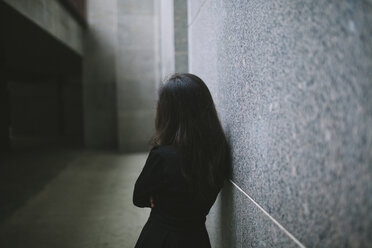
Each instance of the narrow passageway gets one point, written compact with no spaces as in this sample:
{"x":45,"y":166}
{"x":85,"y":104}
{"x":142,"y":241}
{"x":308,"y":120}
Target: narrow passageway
{"x":86,"y":203}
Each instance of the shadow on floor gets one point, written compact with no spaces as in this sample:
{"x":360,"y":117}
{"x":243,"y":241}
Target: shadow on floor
{"x":24,"y":173}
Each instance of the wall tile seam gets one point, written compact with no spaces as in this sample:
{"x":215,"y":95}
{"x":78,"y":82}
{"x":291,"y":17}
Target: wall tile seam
{"x":197,"y":14}
{"x":270,"y":217}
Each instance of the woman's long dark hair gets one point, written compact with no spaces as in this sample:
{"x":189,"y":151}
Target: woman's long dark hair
{"x":187,"y":119}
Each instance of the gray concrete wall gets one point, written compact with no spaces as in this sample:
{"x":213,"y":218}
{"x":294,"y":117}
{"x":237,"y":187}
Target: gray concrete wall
{"x":46,"y":110}
{"x":173,"y":37}
{"x":72,"y":110}
{"x":180,"y":36}
{"x":135,"y":73}
{"x":52,"y":17}
{"x":166,"y":37}
{"x":34,"y":109}
{"x":99,"y":75}
{"x":5,"y":115}
{"x":292,"y":85}
{"x":151,"y":45}
{"x":120,"y":74}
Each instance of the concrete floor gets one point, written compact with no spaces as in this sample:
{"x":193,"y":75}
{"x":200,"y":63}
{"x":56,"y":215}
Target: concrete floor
{"x":69,"y":199}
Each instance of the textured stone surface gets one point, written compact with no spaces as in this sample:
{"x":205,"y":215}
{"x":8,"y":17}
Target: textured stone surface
{"x":234,"y":221}
{"x":292,"y":84}
{"x":225,"y":218}
{"x":258,"y":230}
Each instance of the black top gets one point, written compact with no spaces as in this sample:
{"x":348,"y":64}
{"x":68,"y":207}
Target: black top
{"x":162,"y":179}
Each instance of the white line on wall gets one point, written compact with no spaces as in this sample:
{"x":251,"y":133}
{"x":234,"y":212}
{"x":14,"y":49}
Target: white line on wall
{"x":271,"y":218}
{"x":197,"y":13}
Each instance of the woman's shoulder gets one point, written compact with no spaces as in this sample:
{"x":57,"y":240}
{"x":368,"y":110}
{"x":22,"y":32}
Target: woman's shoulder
{"x":164,"y":151}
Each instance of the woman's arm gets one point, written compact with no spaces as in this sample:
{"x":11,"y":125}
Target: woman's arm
{"x":149,"y":181}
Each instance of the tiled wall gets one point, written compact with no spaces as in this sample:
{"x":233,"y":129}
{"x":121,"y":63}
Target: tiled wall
{"x":292,"y":85}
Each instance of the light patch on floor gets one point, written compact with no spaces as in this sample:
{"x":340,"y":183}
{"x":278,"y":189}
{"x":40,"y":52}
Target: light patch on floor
{"x":88,"y":204}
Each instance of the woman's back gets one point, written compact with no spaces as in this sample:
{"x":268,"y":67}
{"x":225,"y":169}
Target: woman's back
{"x":173,"y":198}
{"x":178,"y":213}
{"x":185,"y":169}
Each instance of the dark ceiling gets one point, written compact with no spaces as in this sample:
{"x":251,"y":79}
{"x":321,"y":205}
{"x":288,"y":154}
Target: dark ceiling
{"x":28,"y":53}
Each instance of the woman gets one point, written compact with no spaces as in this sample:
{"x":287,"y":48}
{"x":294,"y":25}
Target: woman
{"x":185,"y":169}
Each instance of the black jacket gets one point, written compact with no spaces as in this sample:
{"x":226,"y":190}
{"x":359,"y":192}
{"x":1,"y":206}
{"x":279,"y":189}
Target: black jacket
{"x":178,"y":217}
